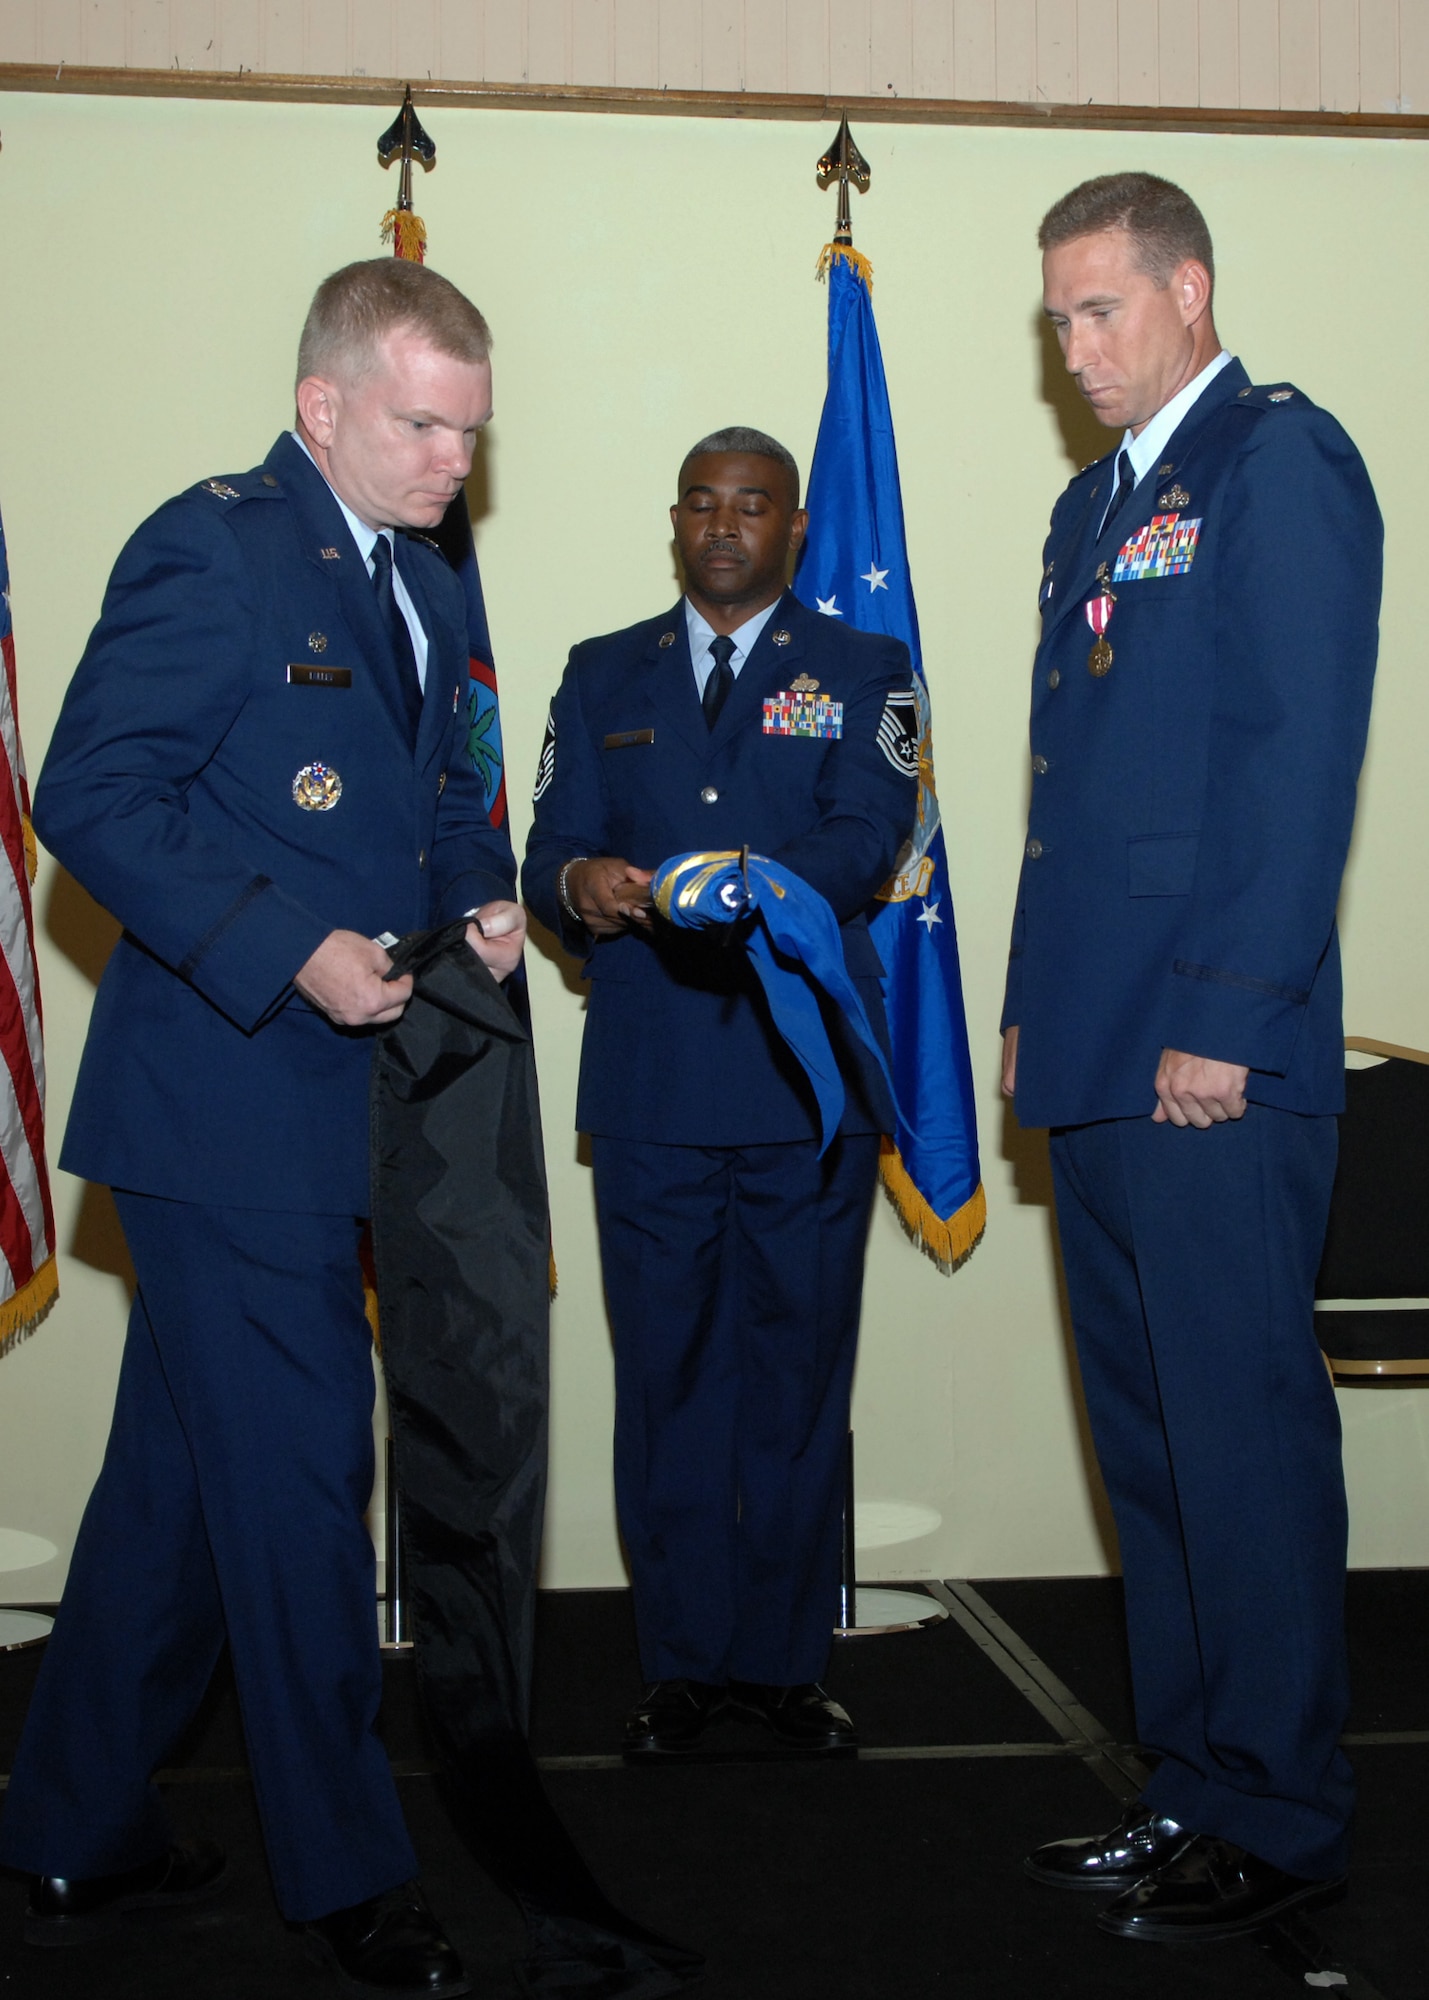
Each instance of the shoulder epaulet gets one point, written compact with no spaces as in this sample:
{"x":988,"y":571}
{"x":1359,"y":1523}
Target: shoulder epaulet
{"x":1271,"y":395}
{"x":255,"y":485}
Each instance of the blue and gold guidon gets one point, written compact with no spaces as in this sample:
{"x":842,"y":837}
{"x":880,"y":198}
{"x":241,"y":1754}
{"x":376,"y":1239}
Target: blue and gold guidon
{"x":792,"y":939}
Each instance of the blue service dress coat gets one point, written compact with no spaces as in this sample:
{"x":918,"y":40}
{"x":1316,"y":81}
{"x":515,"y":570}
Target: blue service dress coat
{"x":732,"y":1254}
{"x":1191,"y":808}
{"x":678,"y":1047}
{"x":1190,"y":818}
{"x":232,"y":777}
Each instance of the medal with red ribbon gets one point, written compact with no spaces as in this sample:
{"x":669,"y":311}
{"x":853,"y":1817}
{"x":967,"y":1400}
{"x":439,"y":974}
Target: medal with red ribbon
{"x":1098,"y":612}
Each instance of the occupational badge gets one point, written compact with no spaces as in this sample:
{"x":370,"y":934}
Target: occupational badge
{"x":1166,"y":546}
{"x":317,"y":788}
{"x":1097,"y":611}
{"x":317,"y":642}
{"x":1174,"y":496}
{"x":790,"y":714}
{"x":546,"y":762}
{"x":805,"y":684}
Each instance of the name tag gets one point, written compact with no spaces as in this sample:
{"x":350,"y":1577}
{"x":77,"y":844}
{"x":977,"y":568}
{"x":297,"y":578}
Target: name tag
{"x":625,"y":739}
{"x":803,"y":715}
{"x":319,"y":677}
{"x":1166,"y":546}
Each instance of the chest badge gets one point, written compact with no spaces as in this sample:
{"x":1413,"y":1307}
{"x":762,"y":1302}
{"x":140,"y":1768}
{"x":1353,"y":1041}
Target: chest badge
{"x":317,"y":642}
{"x":1174,"y":496}
{"x":317,"y":788}
{"x":1097,"y":611}
{"x":803,"y":685}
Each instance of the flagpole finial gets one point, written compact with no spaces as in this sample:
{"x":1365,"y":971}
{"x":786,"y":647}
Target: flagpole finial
{"x":843,"y":162}
{"x":405,"y":140}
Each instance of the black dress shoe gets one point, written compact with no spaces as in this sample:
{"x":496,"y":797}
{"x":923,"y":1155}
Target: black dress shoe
{"x":1212,"y":1889}
{"x":64,"y":1909}
{"x":1141,"y":1842}
{"x":670,"y":1720}
{"x":392,"y":1945}
{"x":803,"y":1717}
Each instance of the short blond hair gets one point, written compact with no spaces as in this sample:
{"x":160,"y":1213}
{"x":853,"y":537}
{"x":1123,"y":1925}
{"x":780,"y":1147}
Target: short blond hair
{"x":355,"y":310}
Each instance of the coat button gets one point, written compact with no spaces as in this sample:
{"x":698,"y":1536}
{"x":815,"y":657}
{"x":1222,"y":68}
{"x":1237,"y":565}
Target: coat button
{"x":1039,"y":765}
{"x":1034,"y":850}
{"x":1054,"y":679}
{"x":709,"y":795}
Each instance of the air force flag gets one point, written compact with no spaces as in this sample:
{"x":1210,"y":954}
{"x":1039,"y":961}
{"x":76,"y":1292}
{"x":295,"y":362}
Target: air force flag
{"x":854,"y":565}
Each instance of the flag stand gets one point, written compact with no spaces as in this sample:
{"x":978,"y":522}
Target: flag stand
{"x":865,"y":1614}
{"x":396,"y":1632}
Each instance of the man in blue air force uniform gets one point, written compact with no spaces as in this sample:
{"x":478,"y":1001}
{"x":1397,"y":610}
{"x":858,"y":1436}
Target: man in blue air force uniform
{"x":1199,"y":707}
{"x":732,"y":1253}
{"x":259,"y":769}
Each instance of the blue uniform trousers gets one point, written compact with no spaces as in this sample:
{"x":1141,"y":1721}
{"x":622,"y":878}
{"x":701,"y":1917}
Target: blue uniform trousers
{"x":733,"y":1278}
{"x":1190,"y":1260}
{"x":230,"y":1503}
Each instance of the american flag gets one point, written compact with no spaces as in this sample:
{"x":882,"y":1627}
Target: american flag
{"x":28,"y":1280}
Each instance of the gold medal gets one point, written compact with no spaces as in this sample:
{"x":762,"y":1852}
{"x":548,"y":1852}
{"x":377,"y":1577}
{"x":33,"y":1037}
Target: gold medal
{"x":1099,"y":659}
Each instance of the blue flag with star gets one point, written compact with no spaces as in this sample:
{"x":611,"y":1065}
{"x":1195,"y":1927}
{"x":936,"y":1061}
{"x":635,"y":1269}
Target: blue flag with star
{"x":854,"y":565}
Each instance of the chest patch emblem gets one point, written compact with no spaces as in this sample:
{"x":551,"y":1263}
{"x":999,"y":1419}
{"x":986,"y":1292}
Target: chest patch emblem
{"x":317,"y":788}
{"x":1166,"y":546}
{"x":791,"y":714}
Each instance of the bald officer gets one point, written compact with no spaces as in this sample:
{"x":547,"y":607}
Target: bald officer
{"x":259,"y":768}
{"x":1199,"y":706}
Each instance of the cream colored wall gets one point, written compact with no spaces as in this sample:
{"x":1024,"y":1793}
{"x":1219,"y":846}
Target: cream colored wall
{"x":647,"y":280}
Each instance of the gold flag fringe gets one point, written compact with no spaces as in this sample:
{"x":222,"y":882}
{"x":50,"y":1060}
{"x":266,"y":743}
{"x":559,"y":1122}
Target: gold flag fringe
{"x":830,"y":254}
{"x":949,"y":1243}
{"x":32,"y":853}
{"x":407,"y":233}
{"x":20,"y":1315}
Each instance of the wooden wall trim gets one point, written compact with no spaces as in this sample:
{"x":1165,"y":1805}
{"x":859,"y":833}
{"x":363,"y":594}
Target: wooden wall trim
{"x":262,"y":87}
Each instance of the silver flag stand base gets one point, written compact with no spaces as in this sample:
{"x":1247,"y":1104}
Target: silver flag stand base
{"x":23,"y":1628}
{"x":393,"y":1625}
{"x":867,"y":1613}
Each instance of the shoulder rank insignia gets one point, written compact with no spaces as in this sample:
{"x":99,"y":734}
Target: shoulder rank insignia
{"x":1174,"y":496}
{"x":1280,"y":395}
{"x":666,"y":639}
{"x":803,"y":685}
{"x":220,"y":489}
{"x":317,"y":788}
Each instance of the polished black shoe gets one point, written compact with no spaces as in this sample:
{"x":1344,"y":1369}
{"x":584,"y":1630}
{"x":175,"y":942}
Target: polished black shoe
{"x":1212,"y":1889}
{"x":1141,"y":1842}
{"x":392,"y":1945}
{"x":64,"y":1909}
{"x":670,"y":1719}
{"x":803,"y":1717}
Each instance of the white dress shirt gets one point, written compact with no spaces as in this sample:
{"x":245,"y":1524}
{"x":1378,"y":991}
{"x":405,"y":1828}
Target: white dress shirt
{"x":701,"y":632}
{"x":366,"y":540}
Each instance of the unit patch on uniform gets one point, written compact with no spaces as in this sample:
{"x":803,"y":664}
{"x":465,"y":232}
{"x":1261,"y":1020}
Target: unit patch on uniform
{"x":317,"y":788}
{"x":1166,"y":546}
{"x":790,"y":714}
{"x":546,"y":762}
{"x":898,"y":730}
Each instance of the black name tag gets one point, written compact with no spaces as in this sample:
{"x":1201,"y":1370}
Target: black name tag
{"x":624,"y":739}
{"x":319,"y":677}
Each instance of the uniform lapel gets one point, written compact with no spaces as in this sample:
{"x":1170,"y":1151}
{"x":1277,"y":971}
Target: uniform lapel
{"x":670,"y":682}
{"x":322,"y":527}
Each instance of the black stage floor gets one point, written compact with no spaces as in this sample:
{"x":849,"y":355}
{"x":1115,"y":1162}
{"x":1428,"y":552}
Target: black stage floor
{"x":891,"y":1878}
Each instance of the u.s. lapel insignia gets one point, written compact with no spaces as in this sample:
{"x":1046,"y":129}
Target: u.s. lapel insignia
{"x":783,"y":638}
{"x":666,"y":639}
{"x":1174,"y":496}
{"x":803,"y":685}
{"x":317,"y":788}
{"x":220,"y":489}
{"x":317,"y":642}
{"x":330,"y":555}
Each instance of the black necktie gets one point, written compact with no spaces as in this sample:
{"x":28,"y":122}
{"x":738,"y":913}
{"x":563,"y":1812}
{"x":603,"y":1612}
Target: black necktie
{"x":1125,"y":481}
{"x":720,"y":681}
{"x":398,"y":632}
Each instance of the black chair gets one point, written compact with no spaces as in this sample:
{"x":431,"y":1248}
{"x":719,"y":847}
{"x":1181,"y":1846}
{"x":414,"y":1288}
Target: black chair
{"x":1372,"y":1294}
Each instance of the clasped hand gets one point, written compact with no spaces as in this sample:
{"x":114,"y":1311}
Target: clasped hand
{"x":1190,"y":1090}
{"x":609,"y":893}
{"x":347,"y":976}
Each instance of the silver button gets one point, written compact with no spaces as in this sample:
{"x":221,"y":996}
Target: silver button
{"x":1054,"y":679}
{"x":421,"y":857}
{"x":1034,"y":850}
{"x":1039,"y":765}
{"x":709,"y":795}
